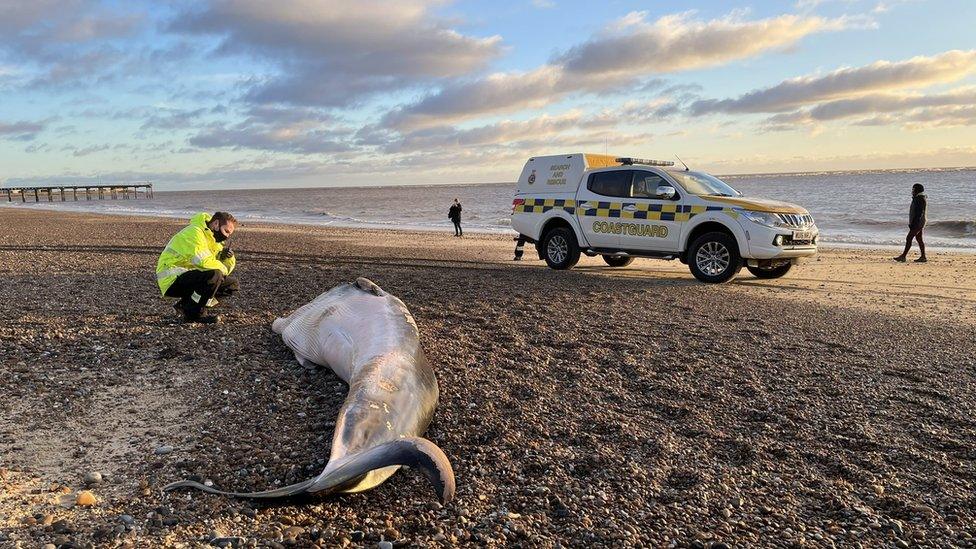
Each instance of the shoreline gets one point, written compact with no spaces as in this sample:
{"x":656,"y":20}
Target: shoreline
{"x":862,"y":278}
{"x":596,"y":406}
{"x":447,"y":228}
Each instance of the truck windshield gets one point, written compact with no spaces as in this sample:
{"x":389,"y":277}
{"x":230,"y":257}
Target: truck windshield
{"x":702,"y":184}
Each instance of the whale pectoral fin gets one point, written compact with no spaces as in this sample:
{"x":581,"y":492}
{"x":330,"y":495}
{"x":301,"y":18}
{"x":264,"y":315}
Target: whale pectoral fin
{"x":414,"y":452}
{"x":283,"y":492}
{"x":306,"y":363}
{"x":368,"y":285}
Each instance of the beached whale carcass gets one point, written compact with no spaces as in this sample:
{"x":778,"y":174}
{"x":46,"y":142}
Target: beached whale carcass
{"x":370,"y":340}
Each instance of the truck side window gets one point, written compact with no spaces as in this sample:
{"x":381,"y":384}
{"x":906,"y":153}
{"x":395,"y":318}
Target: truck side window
{"x":645,"y":185}
{"x":615,"y":183}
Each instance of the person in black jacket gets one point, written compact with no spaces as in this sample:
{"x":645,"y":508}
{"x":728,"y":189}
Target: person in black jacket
{"x":916,"y":222}
{"x":455,"y":216}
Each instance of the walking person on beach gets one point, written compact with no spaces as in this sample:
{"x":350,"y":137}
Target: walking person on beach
{"x":195,"y":266}
{"x":454,"y":214}
{"x":916,"y":222}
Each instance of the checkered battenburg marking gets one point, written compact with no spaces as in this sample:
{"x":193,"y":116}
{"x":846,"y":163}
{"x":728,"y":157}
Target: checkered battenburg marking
{"x":621,"y":210}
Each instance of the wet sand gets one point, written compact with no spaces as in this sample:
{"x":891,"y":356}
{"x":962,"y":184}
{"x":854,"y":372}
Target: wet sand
{"x":598,"y":406}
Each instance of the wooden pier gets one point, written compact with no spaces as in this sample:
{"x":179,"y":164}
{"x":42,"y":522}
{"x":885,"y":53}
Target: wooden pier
{"x":122,"y":191}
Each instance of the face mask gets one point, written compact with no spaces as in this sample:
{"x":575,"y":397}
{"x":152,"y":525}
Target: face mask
{"x":218,"y":236}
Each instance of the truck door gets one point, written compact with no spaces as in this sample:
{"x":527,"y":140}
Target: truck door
{"x":653,"y":221}
{"x":598,"y":206}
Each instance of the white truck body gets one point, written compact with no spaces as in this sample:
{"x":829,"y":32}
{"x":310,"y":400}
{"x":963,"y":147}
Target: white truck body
{"x":612,"y":206}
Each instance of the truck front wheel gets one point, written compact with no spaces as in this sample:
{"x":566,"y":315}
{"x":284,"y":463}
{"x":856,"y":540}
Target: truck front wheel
{"x":559,"y":248}
{"x":714,"y":258}
{"x":770,"y":272}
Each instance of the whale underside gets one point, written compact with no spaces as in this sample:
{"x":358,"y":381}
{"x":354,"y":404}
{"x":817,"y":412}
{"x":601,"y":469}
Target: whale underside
{"x":370,"y":340}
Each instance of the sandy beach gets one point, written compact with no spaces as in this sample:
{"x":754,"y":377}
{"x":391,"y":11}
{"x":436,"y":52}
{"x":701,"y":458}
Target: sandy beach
{"x":594,"y":407}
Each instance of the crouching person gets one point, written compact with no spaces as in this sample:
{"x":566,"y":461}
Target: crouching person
{"x":195,"y":266}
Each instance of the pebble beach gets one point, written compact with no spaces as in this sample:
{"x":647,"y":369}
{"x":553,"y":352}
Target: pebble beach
{"x":596,"y":407}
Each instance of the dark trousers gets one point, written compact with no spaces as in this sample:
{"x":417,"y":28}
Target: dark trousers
{"x":519,"y":247}
{"x":195,"y":288}
{"x":457,"y":228}
{"x":914,"y":232}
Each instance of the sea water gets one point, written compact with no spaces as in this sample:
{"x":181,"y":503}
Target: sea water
{"x":855,"y":208}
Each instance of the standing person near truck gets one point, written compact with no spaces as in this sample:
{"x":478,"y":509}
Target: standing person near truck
{"x":454,"y":214}
{"x":916,"y":222}
{"x":195,"y":266}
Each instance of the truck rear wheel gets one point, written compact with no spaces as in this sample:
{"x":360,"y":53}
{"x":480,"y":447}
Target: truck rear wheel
{"x":560,"y":249}
{"x":770,"y":272}
{"x":714,"y":258}
{"x":617,"y":261}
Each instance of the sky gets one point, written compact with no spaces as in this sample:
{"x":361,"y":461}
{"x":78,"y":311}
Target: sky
{"x":250,"y":93}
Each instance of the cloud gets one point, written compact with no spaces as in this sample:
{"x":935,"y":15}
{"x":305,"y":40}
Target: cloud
{"x":911,"y":110}
{"x":942,"y":116}
{"x":914,"y":73}
{"x":570,"y":129}
{"x":65,"y":40}
{"x":879,"y":6}
{"x":276,"y":129}
{"x":506,"y":132}
{"x":21,"y":131}
{"x":877,"y":103}
{"x":277,"y":140}
{"x":867,"y":159}
{"x":678,"y":43}
{"x":628,"y":51}
{"x":501,"y":92}
{"x":91,"y":65}
{"x":36,"y":25}
{"x":91,"y":149}
{"x":174,"y":119}
{"x":333,"y":53}
{"x":937,"y":117}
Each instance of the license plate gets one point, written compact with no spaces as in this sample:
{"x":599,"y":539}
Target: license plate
{"x":802,"y":235}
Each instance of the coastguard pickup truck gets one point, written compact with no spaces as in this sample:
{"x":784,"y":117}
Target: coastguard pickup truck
{"x":622,"y":208}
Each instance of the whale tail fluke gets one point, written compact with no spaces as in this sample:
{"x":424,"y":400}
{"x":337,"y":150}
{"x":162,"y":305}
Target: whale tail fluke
{"x":414,"y":452}
{"x":283,"y":492}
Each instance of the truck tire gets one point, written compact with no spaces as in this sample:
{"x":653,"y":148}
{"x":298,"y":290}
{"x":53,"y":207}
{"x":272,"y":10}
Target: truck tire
{"x":617,"y":261}
{"x":559,"y":248}
{"x":714,"y":258}
{"x":770,"y":272}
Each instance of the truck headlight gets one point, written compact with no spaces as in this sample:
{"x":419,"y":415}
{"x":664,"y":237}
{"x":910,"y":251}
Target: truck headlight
{"x":765,"y":218}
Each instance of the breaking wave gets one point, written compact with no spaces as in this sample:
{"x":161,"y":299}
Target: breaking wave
{"x":953,"y":229}
{"x":956,"y":228}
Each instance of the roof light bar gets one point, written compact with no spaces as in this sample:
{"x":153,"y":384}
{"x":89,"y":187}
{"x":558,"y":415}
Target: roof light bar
{"x":644,"y":162}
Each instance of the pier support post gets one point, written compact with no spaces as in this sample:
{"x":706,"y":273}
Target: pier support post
{"x":104,"y":192}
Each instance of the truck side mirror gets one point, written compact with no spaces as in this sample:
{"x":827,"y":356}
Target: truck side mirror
{"x":666,"y":192}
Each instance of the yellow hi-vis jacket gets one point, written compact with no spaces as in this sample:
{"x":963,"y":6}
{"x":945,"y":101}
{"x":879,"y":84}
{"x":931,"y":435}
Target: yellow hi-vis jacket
{"x":193,"y":247}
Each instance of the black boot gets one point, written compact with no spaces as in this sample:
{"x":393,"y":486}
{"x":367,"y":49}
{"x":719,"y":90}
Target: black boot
{"x":203,"y":319}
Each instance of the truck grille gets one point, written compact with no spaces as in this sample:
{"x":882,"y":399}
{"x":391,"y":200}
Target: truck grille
{"x":796,"y":221}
